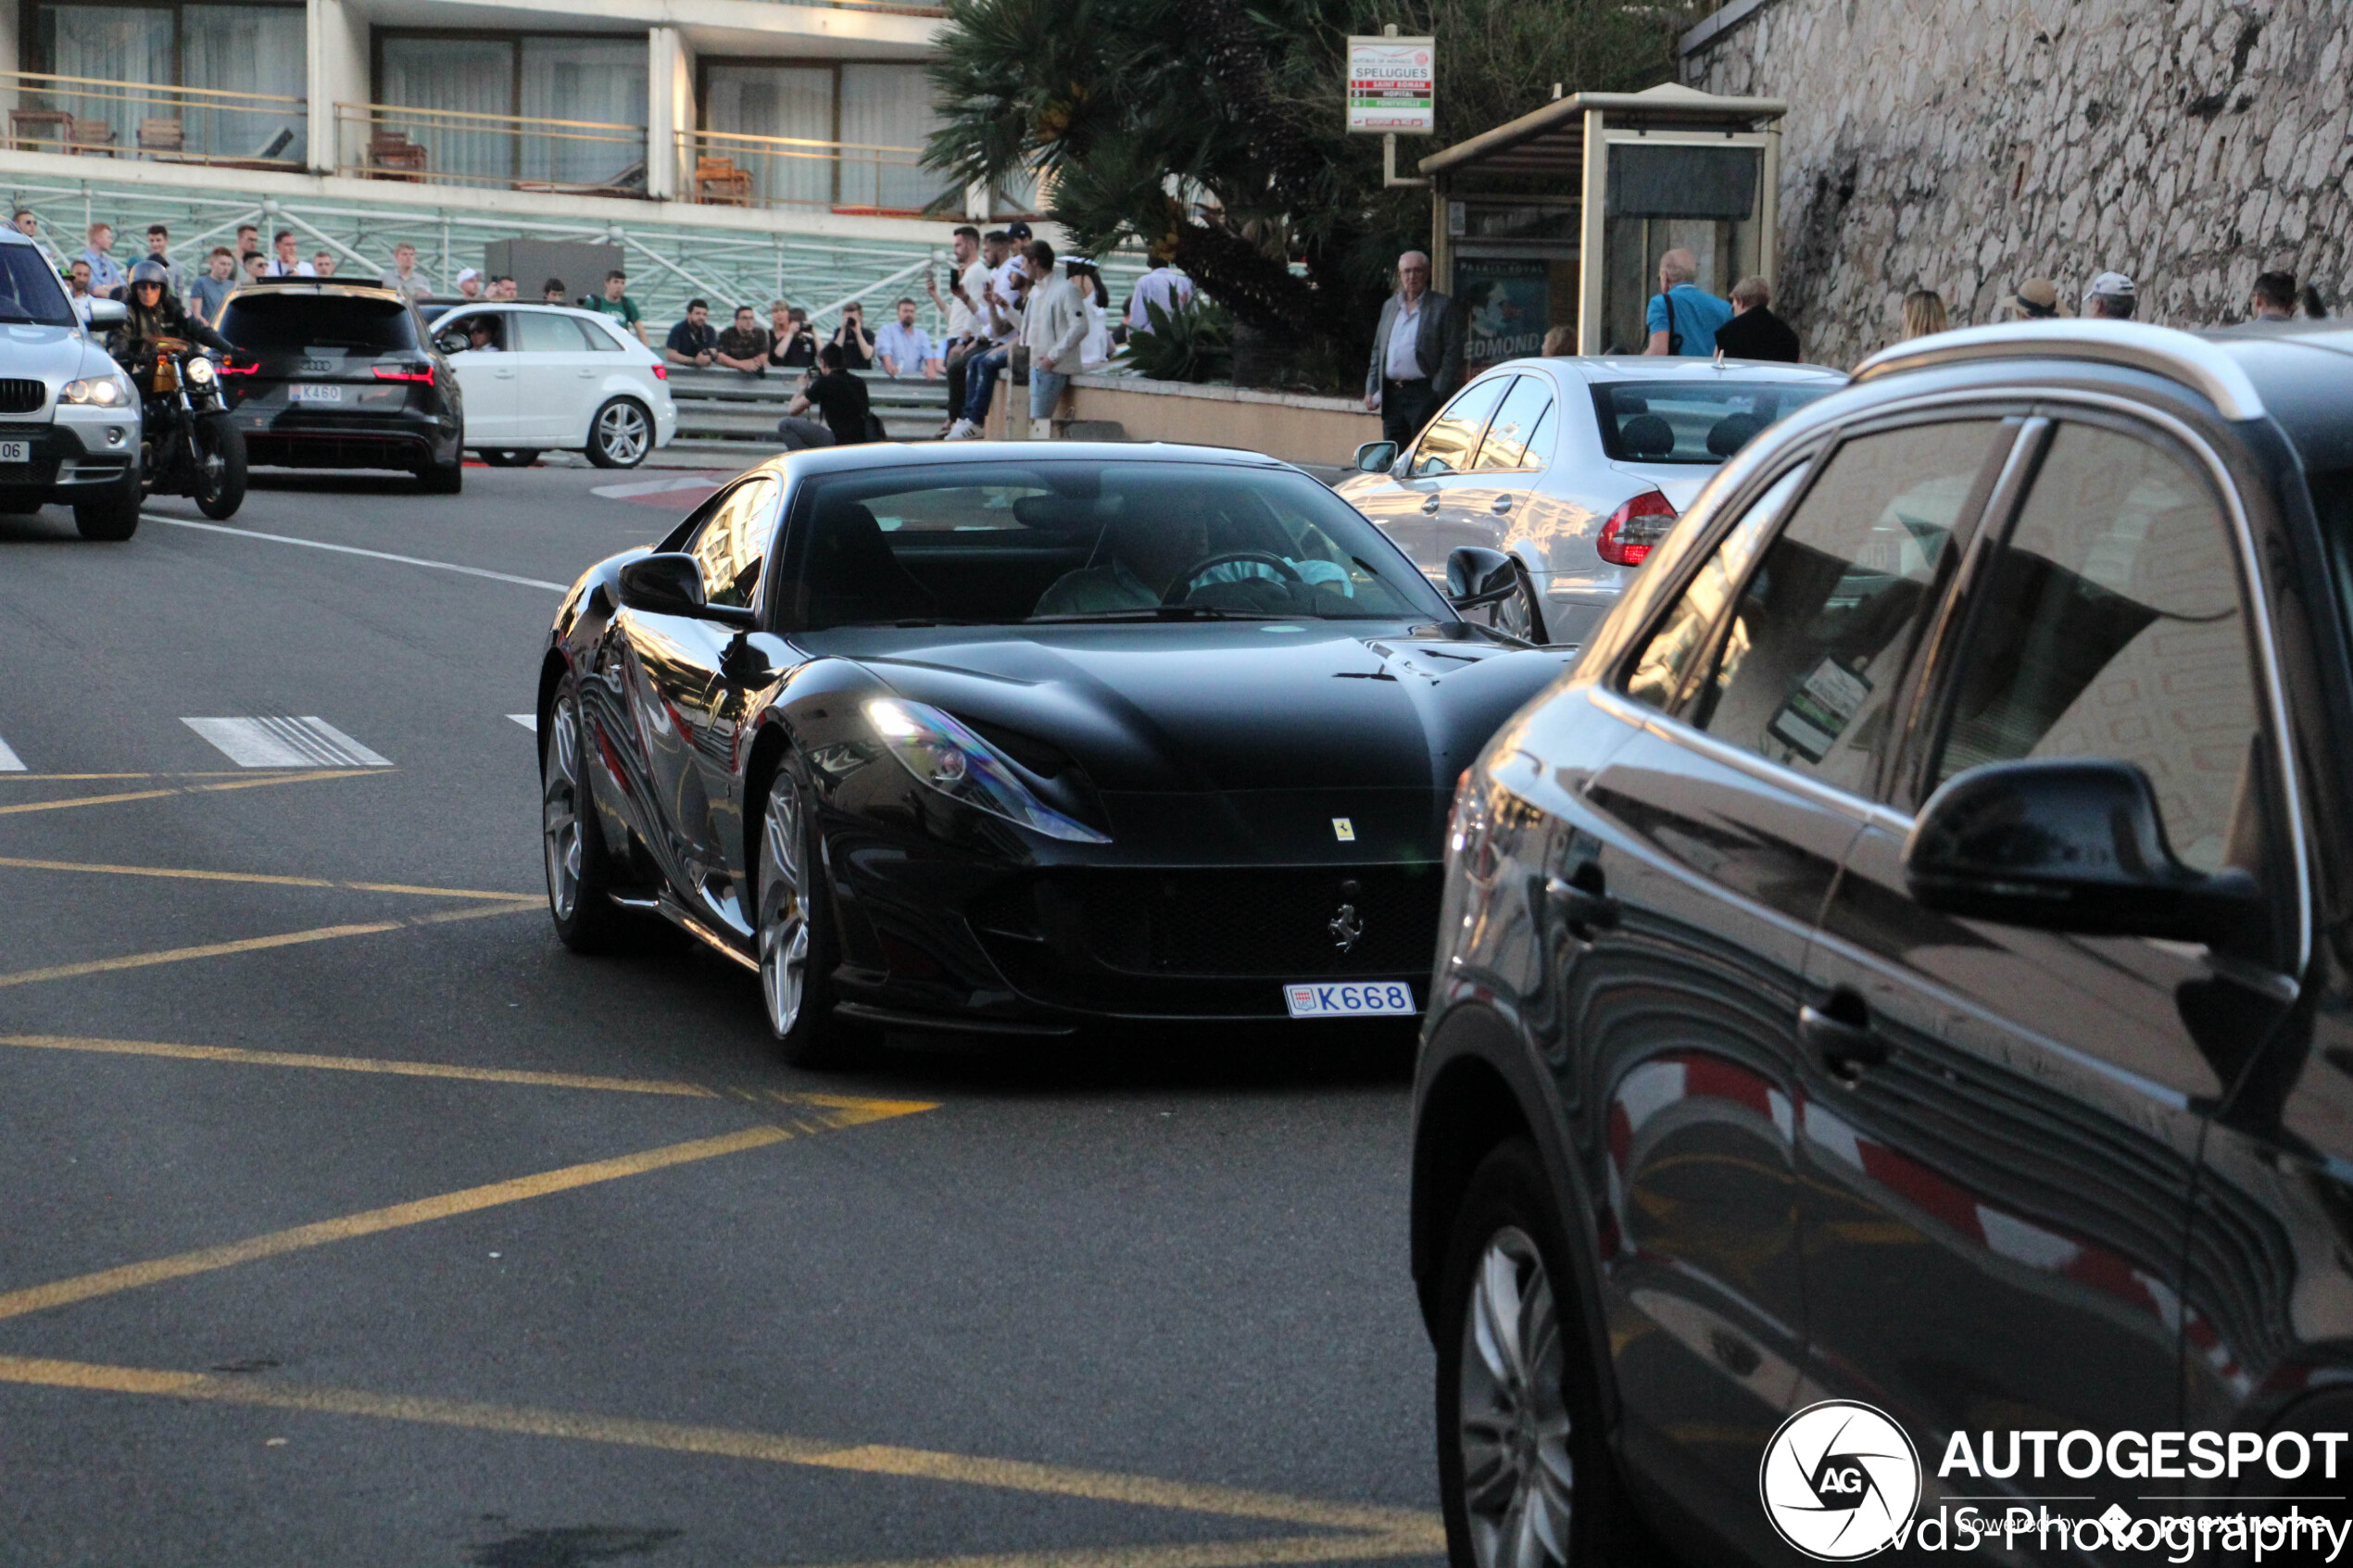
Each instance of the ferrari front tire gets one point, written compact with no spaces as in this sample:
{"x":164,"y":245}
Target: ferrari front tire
{"x":573,"y":844}
{"x":798,"y":947}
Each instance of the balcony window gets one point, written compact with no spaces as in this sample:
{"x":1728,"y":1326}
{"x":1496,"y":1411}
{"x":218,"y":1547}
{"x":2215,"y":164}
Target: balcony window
{"x":245,"y":63}
{"x":849,"y":133}
{"x":566,"y":112}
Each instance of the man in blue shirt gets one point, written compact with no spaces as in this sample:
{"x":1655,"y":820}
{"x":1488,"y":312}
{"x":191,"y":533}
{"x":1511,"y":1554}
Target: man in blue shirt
{"x":692,"y":343}
{"x":1683,"y":317}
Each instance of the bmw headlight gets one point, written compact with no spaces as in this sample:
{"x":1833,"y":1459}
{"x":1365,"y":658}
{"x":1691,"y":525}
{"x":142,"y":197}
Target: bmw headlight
{"x":200,"y":372}
{"x":103,"y":392}
{"x":945,"y":755}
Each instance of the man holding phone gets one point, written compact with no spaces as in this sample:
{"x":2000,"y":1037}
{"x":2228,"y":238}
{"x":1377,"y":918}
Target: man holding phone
{"x":968,"y":283}
{"x":857,"y":345}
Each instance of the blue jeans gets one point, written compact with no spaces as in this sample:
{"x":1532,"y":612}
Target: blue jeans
{"x":1045,"y":391}
{"x":980,"y":382}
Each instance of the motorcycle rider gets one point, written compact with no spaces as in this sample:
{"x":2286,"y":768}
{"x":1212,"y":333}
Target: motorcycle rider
{"x":156,"y":312}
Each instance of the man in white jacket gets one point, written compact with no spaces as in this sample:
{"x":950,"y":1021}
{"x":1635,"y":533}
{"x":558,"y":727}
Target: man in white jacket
{"x":1055,"y":329}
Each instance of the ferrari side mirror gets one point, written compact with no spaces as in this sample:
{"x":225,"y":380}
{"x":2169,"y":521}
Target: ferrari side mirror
{"x":671,"y":584}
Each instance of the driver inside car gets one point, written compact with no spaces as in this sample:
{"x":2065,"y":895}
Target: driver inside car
{"x":1147,"y":553}
{"x":155,"y":313}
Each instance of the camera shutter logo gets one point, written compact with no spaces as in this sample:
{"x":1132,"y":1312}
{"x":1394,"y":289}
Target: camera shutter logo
{"x":1840,"y":1481}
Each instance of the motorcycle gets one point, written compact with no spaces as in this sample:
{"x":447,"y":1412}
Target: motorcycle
{"x":189,"y":447}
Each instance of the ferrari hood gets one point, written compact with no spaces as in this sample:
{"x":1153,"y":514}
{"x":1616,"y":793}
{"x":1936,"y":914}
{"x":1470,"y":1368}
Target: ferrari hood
{"x":1222,"y":707}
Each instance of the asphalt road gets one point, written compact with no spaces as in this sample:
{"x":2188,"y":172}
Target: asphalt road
{"x":352,"y":1221}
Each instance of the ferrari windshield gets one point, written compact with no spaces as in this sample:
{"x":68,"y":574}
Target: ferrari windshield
{"x":1004,"y":543}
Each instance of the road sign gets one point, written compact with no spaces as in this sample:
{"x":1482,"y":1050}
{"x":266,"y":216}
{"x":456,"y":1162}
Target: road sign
{"x":1391,"y":83}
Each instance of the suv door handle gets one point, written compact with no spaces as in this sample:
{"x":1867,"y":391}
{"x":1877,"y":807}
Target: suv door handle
{"x":1500,"y":504}
{"x":1846,"y":1047}
{"x":1430,"y":507}
{"x":1582,"y":903}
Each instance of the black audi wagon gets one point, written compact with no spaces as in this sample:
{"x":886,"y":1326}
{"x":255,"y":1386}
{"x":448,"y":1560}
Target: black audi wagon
{"x":1909,"y":962}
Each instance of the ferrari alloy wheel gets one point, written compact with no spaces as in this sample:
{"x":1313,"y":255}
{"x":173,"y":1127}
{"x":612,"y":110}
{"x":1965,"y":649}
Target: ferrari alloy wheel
{"x":585,"y":916}
{"x":1518,"y":1481}
{"x":1524,"y":1472}
{"x":621,"y":436}
{"x":796,"y":953}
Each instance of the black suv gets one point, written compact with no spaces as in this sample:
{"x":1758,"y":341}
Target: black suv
{"x":1909,"y":961}
{"x":335,"y":375}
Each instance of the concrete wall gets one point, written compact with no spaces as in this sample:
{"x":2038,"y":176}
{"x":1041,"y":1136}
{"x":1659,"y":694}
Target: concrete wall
{"x":1964,"y":145}
{"x":1286,"y":425}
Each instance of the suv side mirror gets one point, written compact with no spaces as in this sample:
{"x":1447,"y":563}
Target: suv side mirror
{"x":106,"y":313}
{"x":671,"y":584}
{"x":2071,"y":845}
{"x":1376,"y":457}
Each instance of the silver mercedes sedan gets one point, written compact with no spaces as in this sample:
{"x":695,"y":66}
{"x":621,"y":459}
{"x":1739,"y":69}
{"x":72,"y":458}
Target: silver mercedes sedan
{"x":1575,"y":467}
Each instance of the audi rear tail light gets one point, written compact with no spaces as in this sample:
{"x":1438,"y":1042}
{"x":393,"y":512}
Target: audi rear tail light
{"x":1634,"y":528}
{"x":661,"y":372}
{"x":406,"y":373}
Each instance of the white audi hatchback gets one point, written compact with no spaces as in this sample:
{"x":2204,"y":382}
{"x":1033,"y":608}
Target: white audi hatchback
{"x":1575,"y":467}
{"x":537,"y":377}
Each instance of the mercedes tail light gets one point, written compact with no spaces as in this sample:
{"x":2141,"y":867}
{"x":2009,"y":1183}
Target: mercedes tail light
{"x":1635,"y":529}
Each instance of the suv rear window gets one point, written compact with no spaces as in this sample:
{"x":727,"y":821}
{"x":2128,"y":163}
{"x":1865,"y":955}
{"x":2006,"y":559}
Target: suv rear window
{"x":1671,"y":421}
{"x":264,"y":322}
{"x":29,"y":291}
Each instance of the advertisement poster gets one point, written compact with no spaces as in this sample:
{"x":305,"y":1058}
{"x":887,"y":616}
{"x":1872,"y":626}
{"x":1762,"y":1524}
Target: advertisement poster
{"x":1391,"y":85}
{"x":1505,"y":305}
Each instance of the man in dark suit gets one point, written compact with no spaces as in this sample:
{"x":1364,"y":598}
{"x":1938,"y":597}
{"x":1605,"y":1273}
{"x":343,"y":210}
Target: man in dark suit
{"x":1755,"y":333}
{"x":1417,"y":353}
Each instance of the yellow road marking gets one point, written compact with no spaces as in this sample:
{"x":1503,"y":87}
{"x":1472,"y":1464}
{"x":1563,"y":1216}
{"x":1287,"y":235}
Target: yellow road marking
{"x":1394,"y":1528}
{"x":1197,"y":1554}
{"x":19,"y":864}
{"x":256,"y":944}
{"x":204,"y":1259}
{"x":375,"y":1065}
{"x":187,"y":789}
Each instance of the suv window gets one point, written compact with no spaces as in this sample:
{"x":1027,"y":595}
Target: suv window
{"x":29,"y":292}
{"x":1452,"y":440}
{"x":733,"y":541}
{"x":270,"y":322}
{"x":2110,"y":626}
{"x":1814,"y":647}
{"x":1657,"y":676}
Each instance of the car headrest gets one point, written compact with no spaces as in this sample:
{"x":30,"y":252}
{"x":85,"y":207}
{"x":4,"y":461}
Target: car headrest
{"x":1647,"y":435}
{"x":1058,"y":514}
{"x":1731,"y":432}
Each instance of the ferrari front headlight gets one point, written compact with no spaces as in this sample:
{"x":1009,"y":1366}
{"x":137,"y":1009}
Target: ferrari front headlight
{"x":945,"y":755}
{"x":103,"y":392}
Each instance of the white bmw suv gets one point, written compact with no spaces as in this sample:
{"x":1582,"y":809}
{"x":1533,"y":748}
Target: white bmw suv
{"x":69,"y":416}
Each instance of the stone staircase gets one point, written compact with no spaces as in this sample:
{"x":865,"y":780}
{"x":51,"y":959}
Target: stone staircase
{"x":732,"y":419}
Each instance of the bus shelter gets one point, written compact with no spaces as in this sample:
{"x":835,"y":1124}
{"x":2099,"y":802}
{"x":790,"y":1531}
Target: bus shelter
{"x":1559,"y":217}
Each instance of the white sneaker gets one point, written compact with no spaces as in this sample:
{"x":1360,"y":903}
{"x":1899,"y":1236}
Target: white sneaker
{"x":962,"y":430}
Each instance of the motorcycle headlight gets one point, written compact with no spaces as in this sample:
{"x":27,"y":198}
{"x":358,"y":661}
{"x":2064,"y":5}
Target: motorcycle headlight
{"x":945,"y":755}
{"x":200,"y":372}
{"x":103,"y":392}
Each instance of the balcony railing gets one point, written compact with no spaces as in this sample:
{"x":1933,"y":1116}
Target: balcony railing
{"x":509,"y":152}
{"x":95,"y":117}
{"x":726,"y":169}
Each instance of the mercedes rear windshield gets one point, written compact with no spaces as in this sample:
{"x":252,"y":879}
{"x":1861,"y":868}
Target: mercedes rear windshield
{"x":262,"y":321}
{"x":1674,"y":421}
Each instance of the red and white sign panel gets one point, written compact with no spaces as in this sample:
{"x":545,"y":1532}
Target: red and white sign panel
{"x":1392,"y":85}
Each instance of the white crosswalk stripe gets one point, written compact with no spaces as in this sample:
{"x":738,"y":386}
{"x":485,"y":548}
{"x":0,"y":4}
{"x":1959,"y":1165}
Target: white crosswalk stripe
{"x":9,"y":761}
{"x":528,"y":720}
{"x":286,"y":743}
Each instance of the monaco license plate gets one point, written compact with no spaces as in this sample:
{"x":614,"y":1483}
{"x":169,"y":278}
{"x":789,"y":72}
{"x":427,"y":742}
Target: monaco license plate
{"x":314,"y":392}
{"x":16,"y":451}
{"x":1348,"y":1000}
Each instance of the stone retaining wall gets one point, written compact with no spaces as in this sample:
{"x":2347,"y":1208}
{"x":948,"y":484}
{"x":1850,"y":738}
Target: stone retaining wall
{"x":1965,"y":144}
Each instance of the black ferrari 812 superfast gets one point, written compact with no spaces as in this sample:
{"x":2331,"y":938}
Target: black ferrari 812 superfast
{"x":1008,"y":738}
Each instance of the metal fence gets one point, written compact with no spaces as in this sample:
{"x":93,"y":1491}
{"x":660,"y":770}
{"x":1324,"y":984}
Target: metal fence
{"x":97,"y":117}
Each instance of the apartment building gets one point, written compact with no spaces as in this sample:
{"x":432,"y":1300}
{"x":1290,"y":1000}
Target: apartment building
{"x":720,"y":138}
